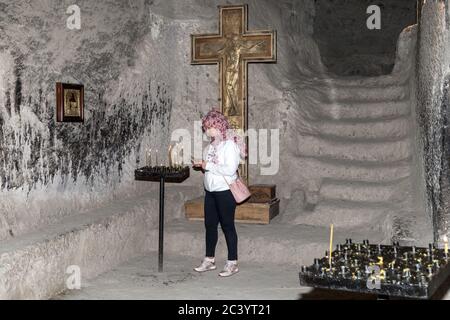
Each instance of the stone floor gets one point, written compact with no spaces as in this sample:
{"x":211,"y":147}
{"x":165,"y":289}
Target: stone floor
{"x":139,"y":279}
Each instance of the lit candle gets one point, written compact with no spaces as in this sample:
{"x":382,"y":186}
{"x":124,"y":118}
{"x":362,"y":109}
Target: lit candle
{"x":170,"y":156}
{"x":174,"y":155}
{"x":182,"y":155}
{"x":178,"y":154}
{"x":446,"y":245}
{"x":148,"y":160}
{"x":331,"y":244}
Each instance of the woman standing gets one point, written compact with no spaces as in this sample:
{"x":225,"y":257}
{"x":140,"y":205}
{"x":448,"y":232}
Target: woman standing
{"x":222,"y":161}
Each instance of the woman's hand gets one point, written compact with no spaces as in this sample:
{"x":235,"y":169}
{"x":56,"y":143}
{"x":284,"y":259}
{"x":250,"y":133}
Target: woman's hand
{"x":199,"y":164}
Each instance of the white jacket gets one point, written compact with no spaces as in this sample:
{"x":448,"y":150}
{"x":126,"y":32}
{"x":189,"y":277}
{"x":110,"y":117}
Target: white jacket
{"x":228,"y":155}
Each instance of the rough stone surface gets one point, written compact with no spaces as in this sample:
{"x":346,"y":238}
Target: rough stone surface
{"x":296,"y":244}
{"x":330,"y":135}
{"x":352,"y":152}
{"x":356,"y":164}
{"x":138,"y":280}
{"x":433,"y":61}
{"x":50,"y":170}
{"x":33,"y":266}
{"x":444,"y":214}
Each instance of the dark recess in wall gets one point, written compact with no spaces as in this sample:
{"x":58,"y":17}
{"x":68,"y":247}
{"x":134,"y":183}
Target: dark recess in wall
{"x":348,"y":47}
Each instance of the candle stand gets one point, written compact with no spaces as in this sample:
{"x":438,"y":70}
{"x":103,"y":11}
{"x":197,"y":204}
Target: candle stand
{"x":162,"y":175}
{"x":384,"y":270}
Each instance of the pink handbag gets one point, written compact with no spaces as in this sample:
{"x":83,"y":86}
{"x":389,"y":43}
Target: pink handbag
{"x":239,"y":190}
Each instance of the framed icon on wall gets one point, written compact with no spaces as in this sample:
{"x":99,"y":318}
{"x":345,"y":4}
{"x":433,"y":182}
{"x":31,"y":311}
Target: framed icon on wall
{"x":69,"y":102}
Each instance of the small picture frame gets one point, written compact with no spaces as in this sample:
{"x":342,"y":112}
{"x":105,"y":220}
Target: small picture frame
{"x":69,"y":102}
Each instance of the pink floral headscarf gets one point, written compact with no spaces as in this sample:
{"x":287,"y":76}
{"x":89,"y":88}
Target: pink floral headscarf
{"x":216,"y":119}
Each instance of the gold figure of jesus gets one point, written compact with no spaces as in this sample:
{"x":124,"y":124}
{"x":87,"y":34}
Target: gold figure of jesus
{"x":232,"y":51}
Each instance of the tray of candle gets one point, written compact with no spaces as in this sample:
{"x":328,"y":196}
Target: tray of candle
{"x":170,"y":173}
{"x":390,"y":270}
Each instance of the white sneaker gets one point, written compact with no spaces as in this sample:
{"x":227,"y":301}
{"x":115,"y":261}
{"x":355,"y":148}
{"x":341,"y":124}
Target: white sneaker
{"x":229,"y":269}
{"x":207,"y":265}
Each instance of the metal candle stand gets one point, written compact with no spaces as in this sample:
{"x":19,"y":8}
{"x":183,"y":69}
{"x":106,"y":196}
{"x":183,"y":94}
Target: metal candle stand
{"x":162,"y":174}
{"x":385,"y":270}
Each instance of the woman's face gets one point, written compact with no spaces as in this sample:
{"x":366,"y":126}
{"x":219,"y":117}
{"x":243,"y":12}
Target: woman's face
{"x":212,"y":132}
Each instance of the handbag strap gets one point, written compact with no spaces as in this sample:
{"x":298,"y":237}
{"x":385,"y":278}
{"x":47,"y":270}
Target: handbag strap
{"x":226,"y":179}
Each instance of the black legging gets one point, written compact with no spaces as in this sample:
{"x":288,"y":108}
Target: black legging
{"x":220,"y":207}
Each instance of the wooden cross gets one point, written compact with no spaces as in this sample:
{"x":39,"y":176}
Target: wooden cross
{"x":232,"y":49}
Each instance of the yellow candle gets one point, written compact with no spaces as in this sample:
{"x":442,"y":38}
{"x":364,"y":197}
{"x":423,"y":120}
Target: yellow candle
{"x":331,"y":244}
{"x":176,"y":155}
{"x":170,"y":156}
{"x":182,"y":155}
{"x":148,"y":159}
{"x":446,"y":245}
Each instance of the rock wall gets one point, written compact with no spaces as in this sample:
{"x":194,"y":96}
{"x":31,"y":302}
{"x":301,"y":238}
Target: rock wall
{"x":49,"y":170}
{"x":134,"y":60}
{"x":433,"y":59}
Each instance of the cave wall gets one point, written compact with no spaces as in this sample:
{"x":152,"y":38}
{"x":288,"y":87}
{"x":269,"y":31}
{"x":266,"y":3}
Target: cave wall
{"x":134,"y":60}
{"x":433,"y":57}
{"x":49,"y":170}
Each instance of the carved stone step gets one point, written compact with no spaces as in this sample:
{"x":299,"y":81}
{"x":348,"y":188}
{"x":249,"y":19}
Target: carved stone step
{"x":346,"y":214}
{"x":360,"y":191}
{"x":354,"y":170}
{"x":390,"y":93}
{"x":364,"y":111}
{"x":353,"y":151}
{"x":387,"y":130}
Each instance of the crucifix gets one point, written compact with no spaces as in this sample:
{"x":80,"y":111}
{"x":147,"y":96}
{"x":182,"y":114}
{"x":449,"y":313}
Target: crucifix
{"x":232,"y":49}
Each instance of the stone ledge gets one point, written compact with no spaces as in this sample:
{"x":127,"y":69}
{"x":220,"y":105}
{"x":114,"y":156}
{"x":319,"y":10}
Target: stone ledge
{"x":34,"y":266}
{"x":276,"y":243}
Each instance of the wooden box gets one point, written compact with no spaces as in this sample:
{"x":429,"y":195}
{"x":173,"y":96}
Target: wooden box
{"x":262,"y":193}
{"x":258,"y":213}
